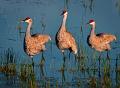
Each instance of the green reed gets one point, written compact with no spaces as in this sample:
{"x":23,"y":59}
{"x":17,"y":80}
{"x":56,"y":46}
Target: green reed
{"x":27,"y":76}
{"x":81,"y":59}
{"x":88,"y":5}
{"x":92,"y":82}
{"x":8,"y":62}
{"x":42,"y":64}
{"x":104,"y":71}
{"x":117,"y":70}
{"x":19,"y":28}
{"x":117,"y":4}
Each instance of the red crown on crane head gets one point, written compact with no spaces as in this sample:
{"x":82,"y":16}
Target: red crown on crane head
{"x":64,"y":11}
{"x":27,"y":18}
{"x":90,"y":21}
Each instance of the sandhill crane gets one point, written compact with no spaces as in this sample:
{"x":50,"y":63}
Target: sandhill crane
{"x":34,"y":44}
{"x":100,"y":42}
{"x":64,"y":39}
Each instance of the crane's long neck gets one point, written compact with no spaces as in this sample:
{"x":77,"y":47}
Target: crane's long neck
{"x":64,"y":21}
{"x":92,"y":32}
{"x":28,"y":29}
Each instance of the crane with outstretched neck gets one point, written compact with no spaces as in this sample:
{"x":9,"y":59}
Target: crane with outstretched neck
{"x":34,"y":44}
{"x":64,"y":39}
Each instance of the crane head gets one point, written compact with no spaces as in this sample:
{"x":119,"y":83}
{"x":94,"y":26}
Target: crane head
{"x":27,"y":20}
{"x":91,"y":22}
{"x":64,"y":12}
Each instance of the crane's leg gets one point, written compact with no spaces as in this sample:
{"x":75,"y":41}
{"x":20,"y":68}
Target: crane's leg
{"x":108,"y":55}
{"x":42,"y":59}
{"x":64,"y":66}
{"x":69,"y":55}
{"x":75,"y":51}
{"x":100,"y":56}
{"x":108,"y":59}
{"x":99,"y":69}
{"x":32,"y":64}
{"x":63,"y":53}
{"x":63,"y":73}
{"x":99,"y":59}
{"x":76,"y":57}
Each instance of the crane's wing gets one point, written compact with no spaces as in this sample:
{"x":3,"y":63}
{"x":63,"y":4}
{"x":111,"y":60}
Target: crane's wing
{"x":42,"y":39}
{"x":70,"y":38}
{"x":56,"y":39}
{"x":35,"y":35}
{"x":105,"y":38}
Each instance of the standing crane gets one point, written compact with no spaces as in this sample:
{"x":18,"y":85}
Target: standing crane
{"x":100,"y":42}
{"x":64,"y":39}
{"x":34,"y":44}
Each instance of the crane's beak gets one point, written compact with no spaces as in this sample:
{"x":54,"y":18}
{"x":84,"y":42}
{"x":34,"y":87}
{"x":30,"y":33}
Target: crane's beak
{"x":87,"y":23}
{"x":22,"y":20}
{"x":62,"y":14}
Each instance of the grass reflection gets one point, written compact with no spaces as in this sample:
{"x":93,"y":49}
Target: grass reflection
{"x":76,"y":73}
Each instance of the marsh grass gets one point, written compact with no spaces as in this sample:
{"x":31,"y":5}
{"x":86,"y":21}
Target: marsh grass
{"x":92,"y":82}
{"x":66,"y":4}
{"x":42,"y":64}
{"x":118,"y":77}
{"x":117,"y":4}
{"x":88,"y":5}
{"x":62,"y":70}
{"x":117,"y":70}
{"x":106,"y":80}
{"x":8,"y":62}
{"x":43,"y":25}
{"x":19,"y":28}
{"x":81,"y":59}
{"x":83,"y":72}
{"x":27,"y":76}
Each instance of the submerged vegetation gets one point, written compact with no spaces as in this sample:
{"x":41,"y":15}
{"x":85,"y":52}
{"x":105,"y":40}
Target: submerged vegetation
{"x":80,"y":73}
{"x":8,"y":62}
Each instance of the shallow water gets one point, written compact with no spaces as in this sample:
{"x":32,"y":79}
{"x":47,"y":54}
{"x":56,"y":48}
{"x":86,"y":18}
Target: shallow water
{"x":53,"y":70}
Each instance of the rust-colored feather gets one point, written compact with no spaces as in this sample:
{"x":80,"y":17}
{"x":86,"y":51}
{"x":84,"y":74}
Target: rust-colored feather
{"x":101,"y":42}
{"x":42,"y":39}
{"x":35,"y":44}
{"x":106,"y":38}
{"x":65,"y":40}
